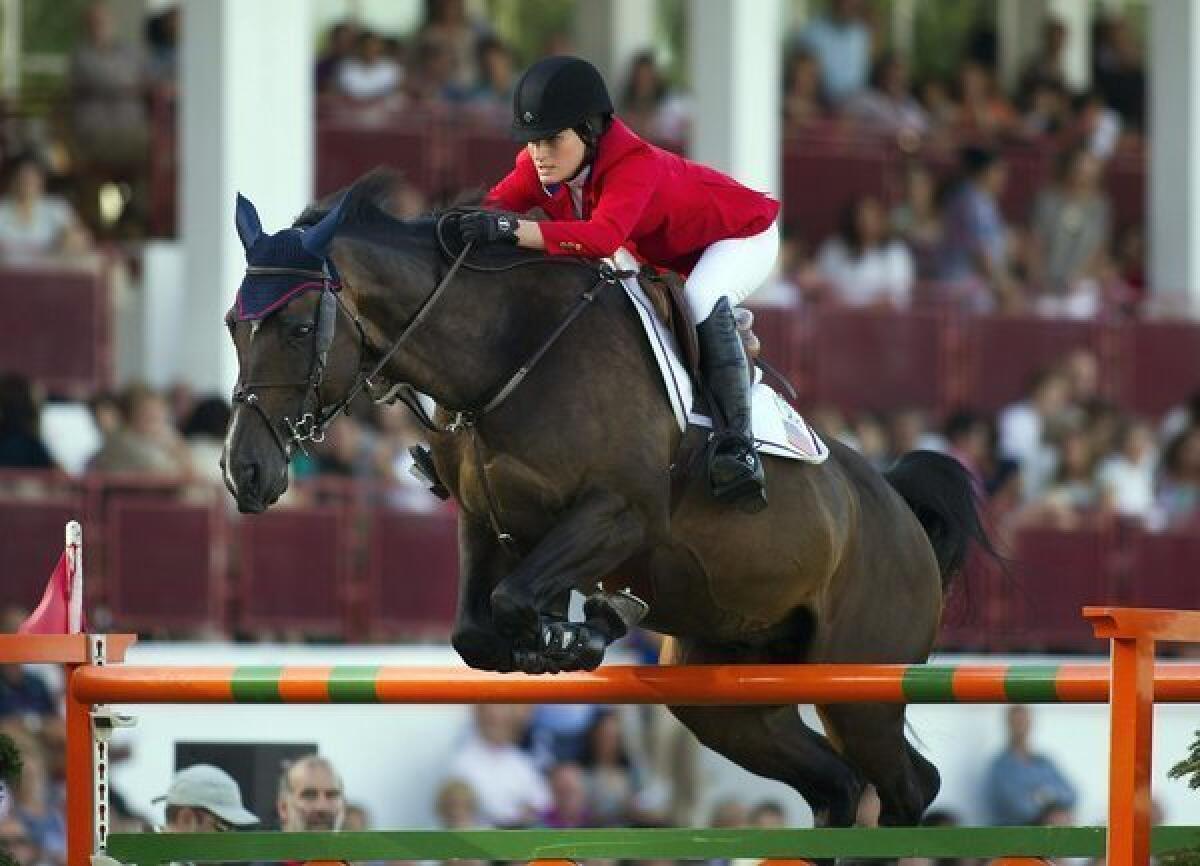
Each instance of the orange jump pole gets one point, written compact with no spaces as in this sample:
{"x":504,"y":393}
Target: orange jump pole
{"x":1133,"y":633}
{"x":717,"y":684}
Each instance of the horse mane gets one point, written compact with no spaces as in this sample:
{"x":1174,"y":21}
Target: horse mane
{"x":366,"y":214}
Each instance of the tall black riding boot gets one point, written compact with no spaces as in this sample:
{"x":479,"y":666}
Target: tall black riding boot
{"x":735,"y":471}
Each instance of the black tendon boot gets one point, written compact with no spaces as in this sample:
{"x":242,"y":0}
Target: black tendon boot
{"x":735,"y":471}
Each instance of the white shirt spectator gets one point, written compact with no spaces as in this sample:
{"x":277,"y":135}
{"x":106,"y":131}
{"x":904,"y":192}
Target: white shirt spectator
{"x":510,"y":789}
{"x":368,"y":81}
{"x":1129,"y":485}
{"x":880,"y":275}
{"x":40,"y":234}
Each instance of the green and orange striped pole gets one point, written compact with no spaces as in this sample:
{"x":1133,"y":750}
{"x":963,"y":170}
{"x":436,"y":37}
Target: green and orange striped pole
{"x":717,"y":684}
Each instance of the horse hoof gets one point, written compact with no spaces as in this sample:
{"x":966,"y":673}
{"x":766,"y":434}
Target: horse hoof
{"x":515,"y":618}
{"x":484,"y":650}
{"x":573,"y":646}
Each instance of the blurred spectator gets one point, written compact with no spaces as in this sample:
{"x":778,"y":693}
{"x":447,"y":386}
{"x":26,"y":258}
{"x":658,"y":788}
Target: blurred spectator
{"x":24,"y":694}
{"x":21,"y":445}
{"x":940,"y":108}
{"x":311,"y":796}
{"x":348,"y":450}
{"x":1179,"y":487}
{"x":728,"y":813}
{"x":559,"y":732}
{"x":1126,"y":478}
{"x":610,"y":775}
{"x":1021,"y":784}
{"x":1081,"y":369}
{"x":357,"y":818}
{"x":802,"y":99}
{"x":647,"y":104}
{"x":841,"y":42}
{"x":1071,"y":224}
{"x":457,"y":806}
{"x":1072,"y":490}
{"x":916,"y":219}
{"x":569,"y":798}
{"x":18,"y":842}
{"x":447,"y":25}
{"x":343,"y":37}
{"x":1118,"y":70}
{"x":511,"y":791}
{"x":974,"y":252}
{"x":968,"y":440}
{"x":985,"y":111}
{"x":204,"y":433}
{"x":37,"y":803}
{"x":767,"y":813}
{"x":369,"y":73}
{"x":1048,"y":64}
{"x":146,"y":442}
{"x":909,"y":430}
{"x":497,"y":80}
{"x":398,"y":432}
{"x":1097,"y":127}
{"x":869,"y":439}
{"x":162,"y":45}
{"x":1047,"y":109}
{"x":432,"y":78}
{"x":865,"y":266}
{"x":1023,"y":425}
{"x":888,"y":106}
{"x":111,"y":134}
{"x":33,"y":224}
{"x":205,"y":799}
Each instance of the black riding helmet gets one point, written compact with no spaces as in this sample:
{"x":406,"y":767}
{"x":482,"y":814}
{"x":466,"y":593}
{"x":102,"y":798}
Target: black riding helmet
{"x":558,"y":93}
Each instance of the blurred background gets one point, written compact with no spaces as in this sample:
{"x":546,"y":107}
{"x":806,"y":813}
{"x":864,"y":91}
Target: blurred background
{"x":991,"y":229}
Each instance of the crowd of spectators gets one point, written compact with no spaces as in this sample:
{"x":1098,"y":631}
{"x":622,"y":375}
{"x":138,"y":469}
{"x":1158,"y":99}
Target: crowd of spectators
{"x":553,"y":766}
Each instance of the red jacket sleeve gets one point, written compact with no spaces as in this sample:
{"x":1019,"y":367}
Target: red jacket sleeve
{"x":628,"y":186}
{"x":519,"y":190}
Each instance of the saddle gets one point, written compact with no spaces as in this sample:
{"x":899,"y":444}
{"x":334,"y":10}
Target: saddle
{"x":665,"y":291}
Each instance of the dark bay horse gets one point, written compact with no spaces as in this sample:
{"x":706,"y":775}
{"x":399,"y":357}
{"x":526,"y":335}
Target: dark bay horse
{"x":564,"y":482}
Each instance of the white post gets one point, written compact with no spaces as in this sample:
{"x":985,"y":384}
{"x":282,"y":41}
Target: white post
{"x":610,"y":32}
{"x":10,"y":46}
{"x":247,"y":125}
{"x":1019,"y":31}
{"x":735,"y":63}
{"x":1174,"y":127}
{"x":74,"y":555}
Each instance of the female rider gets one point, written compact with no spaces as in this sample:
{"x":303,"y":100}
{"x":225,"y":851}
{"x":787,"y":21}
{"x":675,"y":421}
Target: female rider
{"x":604,"y":188}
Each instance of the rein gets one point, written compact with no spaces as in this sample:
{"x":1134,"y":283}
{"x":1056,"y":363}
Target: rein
{"x":310,"y":426}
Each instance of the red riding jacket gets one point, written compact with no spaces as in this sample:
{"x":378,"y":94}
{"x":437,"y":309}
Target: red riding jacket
{"x":665,"y":209}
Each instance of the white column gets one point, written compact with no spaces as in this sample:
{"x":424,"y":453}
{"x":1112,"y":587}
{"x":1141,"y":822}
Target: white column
{"x":1174,"y":188}
{"x":735,"y":56}
{"x":247,"y":125}
{"x":1019,"y":33}
{"x":610,"y":32}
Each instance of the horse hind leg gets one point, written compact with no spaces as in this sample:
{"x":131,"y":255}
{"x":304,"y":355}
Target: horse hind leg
{"x":774,"y":742}
{"x":871,"y":737}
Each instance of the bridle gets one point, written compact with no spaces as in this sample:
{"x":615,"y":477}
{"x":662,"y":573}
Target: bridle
{"x":313,"y":418}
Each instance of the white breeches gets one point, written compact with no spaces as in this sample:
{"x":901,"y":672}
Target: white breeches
{"x":732,"y":268}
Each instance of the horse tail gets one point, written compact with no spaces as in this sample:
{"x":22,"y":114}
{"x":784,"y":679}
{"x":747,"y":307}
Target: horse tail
{"x":942,"y":494}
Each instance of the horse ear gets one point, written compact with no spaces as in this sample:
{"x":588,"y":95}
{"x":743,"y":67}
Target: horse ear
{"x":316,"y":240}
{"x":249,"y":228}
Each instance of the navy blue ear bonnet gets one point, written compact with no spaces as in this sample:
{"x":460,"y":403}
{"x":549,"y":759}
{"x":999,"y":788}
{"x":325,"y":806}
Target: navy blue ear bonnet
{"x":261,"y":294}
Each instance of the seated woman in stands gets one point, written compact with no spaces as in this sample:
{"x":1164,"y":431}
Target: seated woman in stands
{"x":863,"y":265}
{"x":35,"y":225}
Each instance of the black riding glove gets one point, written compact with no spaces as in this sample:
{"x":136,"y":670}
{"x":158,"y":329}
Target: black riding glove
{"x":484,"y":227}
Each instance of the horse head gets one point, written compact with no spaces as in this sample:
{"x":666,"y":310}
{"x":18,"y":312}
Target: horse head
{"x":299,"y":352}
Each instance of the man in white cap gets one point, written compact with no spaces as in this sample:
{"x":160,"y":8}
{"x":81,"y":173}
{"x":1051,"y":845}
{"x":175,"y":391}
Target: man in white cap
{"x":205,"y":799}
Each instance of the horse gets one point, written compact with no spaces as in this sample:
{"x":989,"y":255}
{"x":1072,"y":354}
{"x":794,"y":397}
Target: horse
{"x":554,"y":436}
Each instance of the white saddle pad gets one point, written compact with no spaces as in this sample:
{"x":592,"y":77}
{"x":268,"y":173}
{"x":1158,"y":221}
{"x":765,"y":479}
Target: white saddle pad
{"x":778,"y":428}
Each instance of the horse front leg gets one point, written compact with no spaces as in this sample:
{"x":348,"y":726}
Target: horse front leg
{"x":597,"y":533}
{"x":483,"y":562}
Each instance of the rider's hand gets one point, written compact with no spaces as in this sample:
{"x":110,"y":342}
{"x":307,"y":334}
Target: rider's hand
{"x":484,"y":227}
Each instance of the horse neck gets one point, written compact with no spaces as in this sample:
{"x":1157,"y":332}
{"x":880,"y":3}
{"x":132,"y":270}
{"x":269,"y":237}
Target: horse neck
{"x":483,"y":327}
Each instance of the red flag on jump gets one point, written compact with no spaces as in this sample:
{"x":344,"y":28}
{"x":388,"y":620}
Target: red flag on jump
{"x":61,"y":608}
